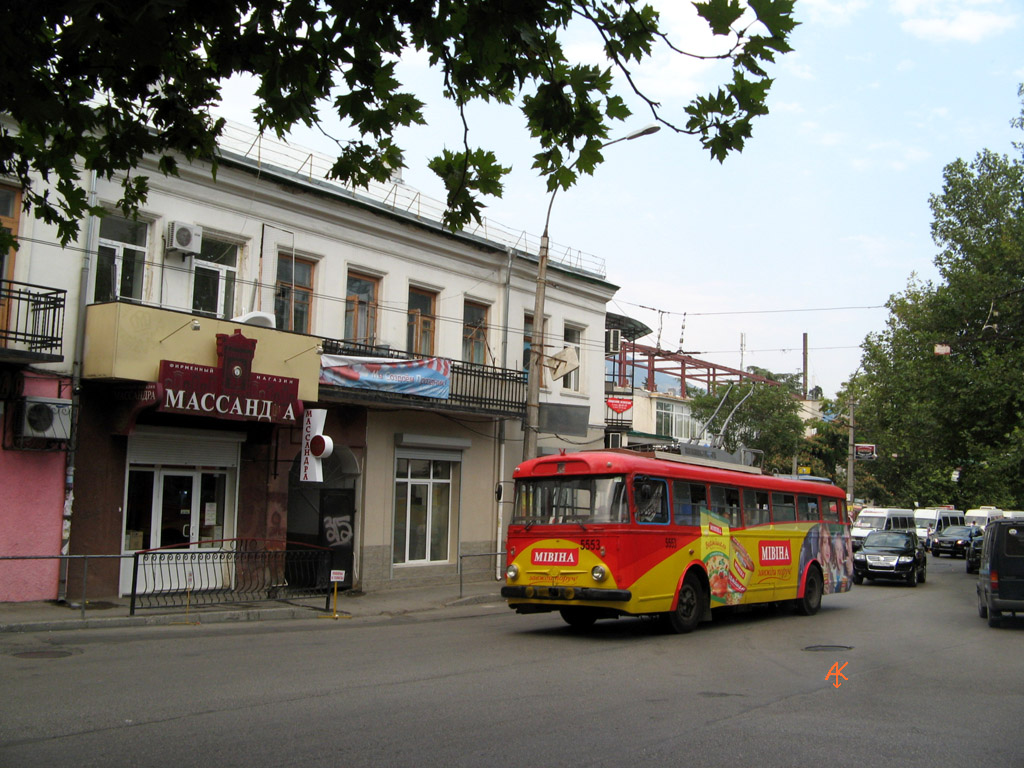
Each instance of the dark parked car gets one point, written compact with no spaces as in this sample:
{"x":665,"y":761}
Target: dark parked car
{"x":953,"y":540}
{"x":891,"y":555}
{"x":974,"y":554}
{"x":1001,"y":572}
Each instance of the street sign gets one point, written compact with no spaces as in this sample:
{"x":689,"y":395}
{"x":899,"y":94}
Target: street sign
{"x":863,"y":451}
{"x":337,"y":575}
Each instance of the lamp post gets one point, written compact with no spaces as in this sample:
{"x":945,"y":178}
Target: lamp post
{"x":851,"y":455}
{"x":532,"y":423}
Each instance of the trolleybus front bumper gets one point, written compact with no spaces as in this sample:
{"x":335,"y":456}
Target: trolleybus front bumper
{"x":533,"y":592}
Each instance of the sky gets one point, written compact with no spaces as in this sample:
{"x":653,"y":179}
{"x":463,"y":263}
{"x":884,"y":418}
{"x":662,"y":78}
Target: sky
{"x":822,"y":217}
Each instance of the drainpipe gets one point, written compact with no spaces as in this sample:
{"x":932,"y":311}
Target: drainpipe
{"x":76,"y":387}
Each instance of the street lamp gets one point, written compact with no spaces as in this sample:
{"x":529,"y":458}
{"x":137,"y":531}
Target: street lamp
{"x":537,"y":340}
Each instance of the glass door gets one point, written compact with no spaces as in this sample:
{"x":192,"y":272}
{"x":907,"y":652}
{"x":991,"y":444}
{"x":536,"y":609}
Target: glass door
{"x":177,"y":511}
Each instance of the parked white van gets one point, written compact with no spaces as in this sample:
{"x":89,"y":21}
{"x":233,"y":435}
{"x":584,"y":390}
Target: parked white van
{"x":982,"y":516}
{"x":932,"y":520}
{"x":880,"y":519}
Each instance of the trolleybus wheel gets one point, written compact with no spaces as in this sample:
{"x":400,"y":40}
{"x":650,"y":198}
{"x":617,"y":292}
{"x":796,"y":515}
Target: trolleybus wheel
{"x":809,"y":604}
{"x":578,"y":618}
{"x":689,"y":608}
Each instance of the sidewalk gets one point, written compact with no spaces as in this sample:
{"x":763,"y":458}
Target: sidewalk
{"x":53,"y":616}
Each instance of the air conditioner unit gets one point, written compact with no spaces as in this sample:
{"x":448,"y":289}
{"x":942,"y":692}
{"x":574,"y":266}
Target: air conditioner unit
{"x":183,"y":238}
{"x":612,"y":341}
{"x":47,"y":418}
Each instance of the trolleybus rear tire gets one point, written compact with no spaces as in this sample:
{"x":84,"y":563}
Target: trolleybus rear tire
{"x":689,"y":608}
{"x":809,"y":604}
{"x":578,"y":618}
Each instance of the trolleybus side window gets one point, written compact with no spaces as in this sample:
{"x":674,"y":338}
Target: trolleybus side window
{"x":831,"y":511}
{"x":725,"y":502}
{"x":688,"y":501}
{"x":755,"y":507}
{"x":783,"y":507}
{"x":651,"y":497}
{"x":807,"y":508}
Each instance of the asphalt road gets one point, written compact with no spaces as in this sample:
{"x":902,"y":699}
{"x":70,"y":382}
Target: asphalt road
{"x":926,"y":683}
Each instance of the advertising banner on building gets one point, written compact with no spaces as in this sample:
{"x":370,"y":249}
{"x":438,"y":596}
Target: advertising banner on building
{"x":427,"y":377}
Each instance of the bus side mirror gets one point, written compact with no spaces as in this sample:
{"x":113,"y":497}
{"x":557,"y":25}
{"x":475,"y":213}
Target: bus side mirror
{"x":497,"y":492}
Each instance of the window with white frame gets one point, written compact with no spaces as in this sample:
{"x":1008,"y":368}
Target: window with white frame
{"x":121,"y":259}
{"x":426,"y":503}
{"x":572,"y":339}
{"x":213,"y":285}
{"x":673,"y":420}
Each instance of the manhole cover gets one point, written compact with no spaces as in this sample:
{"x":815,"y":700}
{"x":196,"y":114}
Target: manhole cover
{"x":42,"y":654}
{"x":827,"y":648}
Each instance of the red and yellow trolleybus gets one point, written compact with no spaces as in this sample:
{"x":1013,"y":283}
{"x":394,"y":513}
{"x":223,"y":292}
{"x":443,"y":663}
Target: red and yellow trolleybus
{"x":617,"y":532}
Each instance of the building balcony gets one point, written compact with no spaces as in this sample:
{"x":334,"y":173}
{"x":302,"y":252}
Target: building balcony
{"x":31,"y":323}
{"x":128,"y":342}
{"x":473,"y":388}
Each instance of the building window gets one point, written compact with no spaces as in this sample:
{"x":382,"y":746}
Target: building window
{"x":426,"y":495}
{"x":572,"y":339}
{"x":527,"y":341}
{"x":361,"y":297}
{"x":10,"y":203}
{"x":293,"y":299}
{"x":213,"y":285}
{"x":121,"y":260}
{"x":420,"y":339}
{"x":673,"y":420}
{"x":474,"y":333}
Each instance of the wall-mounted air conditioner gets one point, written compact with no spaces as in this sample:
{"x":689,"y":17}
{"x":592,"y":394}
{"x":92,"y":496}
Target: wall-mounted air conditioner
{"x":47,"y":418}
{"x":184,"y":239}
{"x":612,"y":341}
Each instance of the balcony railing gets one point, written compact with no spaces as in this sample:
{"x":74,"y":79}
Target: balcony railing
{"x":474,"y":388}
{"x":31,"y":322}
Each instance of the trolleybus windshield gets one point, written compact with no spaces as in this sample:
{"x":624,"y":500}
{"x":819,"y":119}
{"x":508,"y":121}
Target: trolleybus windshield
{"x":560,"y":500}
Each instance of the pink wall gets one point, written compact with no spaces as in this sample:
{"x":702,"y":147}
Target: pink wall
{"x":31,"y":510}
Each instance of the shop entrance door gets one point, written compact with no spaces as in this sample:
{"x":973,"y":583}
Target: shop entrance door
{"x":184,"y":514}
{"x":189,"y":508}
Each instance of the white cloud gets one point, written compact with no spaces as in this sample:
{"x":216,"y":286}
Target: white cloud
{"x":831,"y":12}
{"x":969,"y":21}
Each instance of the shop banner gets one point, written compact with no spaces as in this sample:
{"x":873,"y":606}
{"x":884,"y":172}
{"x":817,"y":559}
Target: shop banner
{"x":427,"y":377}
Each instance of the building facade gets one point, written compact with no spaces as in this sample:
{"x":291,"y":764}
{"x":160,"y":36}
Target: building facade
{"x":199,"y":335}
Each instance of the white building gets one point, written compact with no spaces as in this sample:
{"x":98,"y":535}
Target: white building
{"x":202,"y":327}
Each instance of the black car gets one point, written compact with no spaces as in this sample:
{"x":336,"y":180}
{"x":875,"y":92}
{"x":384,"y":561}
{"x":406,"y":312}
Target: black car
{"x":953,"y":541}
{"x":891,"y":555}
{"x":973,"y":554}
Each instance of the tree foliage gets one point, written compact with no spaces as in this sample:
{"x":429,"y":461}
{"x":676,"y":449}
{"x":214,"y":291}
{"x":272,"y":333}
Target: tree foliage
{"x":937,"y":416}
{"x":768,"y":420}
{"x":98,"y":85}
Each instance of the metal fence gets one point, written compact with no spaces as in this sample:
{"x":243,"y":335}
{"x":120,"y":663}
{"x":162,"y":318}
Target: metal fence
{"x":462,"y":568}
{"x":237,"y":571}
{"x":33,"y":317}
{"x":223,"y":571}
{"x":66,"y":561}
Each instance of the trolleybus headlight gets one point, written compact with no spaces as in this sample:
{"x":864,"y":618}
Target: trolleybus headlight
{"x":598,"y":573}
{"x":512,"y":572}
